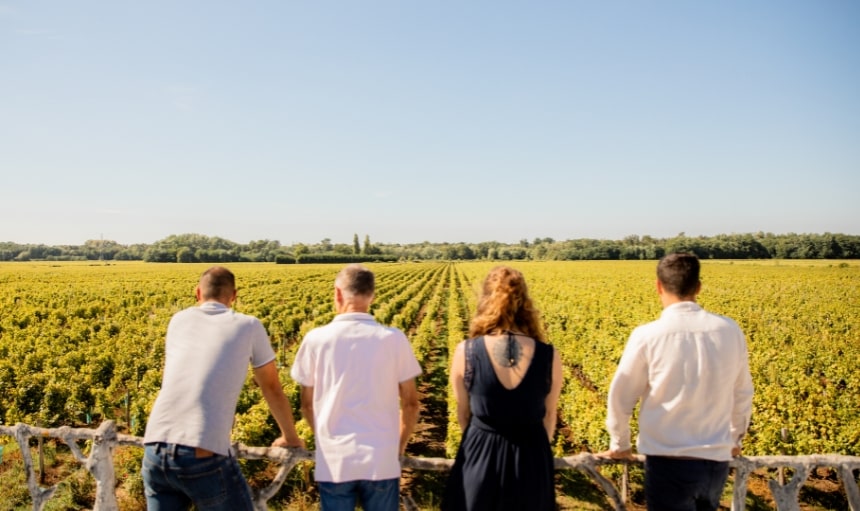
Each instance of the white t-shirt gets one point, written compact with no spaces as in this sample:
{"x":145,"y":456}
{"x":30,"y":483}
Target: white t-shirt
{"x":690,"y":369}
{"x":355,"y":366}
{"x":206,"y":356}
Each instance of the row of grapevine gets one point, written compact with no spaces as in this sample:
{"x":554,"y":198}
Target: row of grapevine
{"x":81,"y":342}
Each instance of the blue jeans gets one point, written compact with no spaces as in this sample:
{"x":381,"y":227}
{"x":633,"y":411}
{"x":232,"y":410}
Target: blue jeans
{"x":673,"y":484}
{"x":174,"y":478}
{"x":374,"y":495}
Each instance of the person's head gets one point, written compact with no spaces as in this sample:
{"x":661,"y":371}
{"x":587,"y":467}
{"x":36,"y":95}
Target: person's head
{"x":217,"y":284}
{"x":353,"y":289}
{"x":678,"y":277}
{"x":505,"y":304}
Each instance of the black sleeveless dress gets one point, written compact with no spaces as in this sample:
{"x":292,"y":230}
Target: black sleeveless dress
{"x":504,"y":461}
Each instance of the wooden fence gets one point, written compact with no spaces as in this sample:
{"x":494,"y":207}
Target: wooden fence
{"x":99,"y":463}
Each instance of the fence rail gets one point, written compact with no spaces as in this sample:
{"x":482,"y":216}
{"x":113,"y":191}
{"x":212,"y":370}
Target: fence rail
{"x":99,"y":463}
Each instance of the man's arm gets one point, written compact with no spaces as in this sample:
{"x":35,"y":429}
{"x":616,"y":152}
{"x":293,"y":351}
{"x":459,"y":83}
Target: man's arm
{"x":627,"y":387}
{"x":408,"y":411}
{"x":742,"y":408}
{"x":308,"y":407}
{"x":266,"y":377}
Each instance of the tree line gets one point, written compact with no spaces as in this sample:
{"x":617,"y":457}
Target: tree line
{"x":192,"y":248}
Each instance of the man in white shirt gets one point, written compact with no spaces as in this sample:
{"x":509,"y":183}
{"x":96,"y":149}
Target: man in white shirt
{"x":187,"y":458}
{"x":690,"y":370}
{"x":359,"y":397}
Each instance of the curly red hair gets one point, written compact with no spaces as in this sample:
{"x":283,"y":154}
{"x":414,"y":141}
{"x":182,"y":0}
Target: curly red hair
{"x":505,"y":305}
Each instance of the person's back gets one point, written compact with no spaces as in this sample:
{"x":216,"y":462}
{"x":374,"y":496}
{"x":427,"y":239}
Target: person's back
{"x":690,"y":370}
{"x":693,"y":357}
{"x":519,"y":406}
{"x":359,"y":397}
{"x":208,"y":348}
{"x":506,"y":382}
{"x":356,"y":365}
{"x":206,"y":362}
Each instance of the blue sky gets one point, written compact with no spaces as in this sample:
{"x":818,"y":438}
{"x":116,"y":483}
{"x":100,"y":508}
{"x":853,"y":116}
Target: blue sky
{"x":440,"y":121}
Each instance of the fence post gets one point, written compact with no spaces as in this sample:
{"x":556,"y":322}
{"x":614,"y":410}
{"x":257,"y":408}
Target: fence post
{"x":625,"y":487}
{"x":100,"y":465}
{"x":783,"y":433}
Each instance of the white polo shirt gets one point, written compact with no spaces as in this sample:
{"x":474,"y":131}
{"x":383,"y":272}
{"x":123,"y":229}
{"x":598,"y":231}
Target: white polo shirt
{"x":690,"y":369}
{"x":207,"y":352}
{"x":355,"y":366}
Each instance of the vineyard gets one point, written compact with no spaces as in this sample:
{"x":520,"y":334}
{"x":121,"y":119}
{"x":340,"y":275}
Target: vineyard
{"x":83,"y":342}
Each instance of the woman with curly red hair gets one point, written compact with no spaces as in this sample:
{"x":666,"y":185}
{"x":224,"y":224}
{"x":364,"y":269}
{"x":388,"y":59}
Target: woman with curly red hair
{"x":506,"y":382}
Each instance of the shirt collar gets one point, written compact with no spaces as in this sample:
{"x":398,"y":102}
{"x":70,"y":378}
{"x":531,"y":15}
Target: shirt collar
{"x":354,"y":316}
{"x":681,"y":307}
{"x":213,"y":306}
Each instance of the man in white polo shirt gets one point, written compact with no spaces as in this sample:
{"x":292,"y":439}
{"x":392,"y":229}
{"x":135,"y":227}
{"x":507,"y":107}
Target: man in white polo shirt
{"x":360,"y":398}
{"x":690,"y":370}
{"x":187,"y":458}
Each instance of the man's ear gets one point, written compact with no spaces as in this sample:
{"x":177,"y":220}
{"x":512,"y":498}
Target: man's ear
{"x":659,"y":287}
{"x":197,"y":293}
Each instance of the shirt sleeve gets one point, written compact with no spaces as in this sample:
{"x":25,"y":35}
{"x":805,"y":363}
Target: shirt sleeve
{"x":303,"y":366}
{"x":408,"y":366}
{"x":627,"y":387}
{"x":743,"y":394}
{"x":261,"y":347}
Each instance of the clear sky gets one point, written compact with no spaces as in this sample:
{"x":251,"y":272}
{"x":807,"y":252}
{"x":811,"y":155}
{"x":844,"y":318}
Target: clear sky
{"x":427,"y":120}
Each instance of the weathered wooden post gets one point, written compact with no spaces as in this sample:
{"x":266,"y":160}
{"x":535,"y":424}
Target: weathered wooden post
{"x":39,"y":495}
{"x":100,"y":465}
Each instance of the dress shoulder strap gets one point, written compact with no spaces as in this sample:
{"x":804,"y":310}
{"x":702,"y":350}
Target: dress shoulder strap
{"x":549,"y":359}
{"x":469,"y":372}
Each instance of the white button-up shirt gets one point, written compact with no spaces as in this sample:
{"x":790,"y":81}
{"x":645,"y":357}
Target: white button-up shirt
{"x":690,"y":370}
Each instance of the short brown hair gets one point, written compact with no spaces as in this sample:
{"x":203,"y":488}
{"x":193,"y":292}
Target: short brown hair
{"x":356,"y":280}
{"x":679,"y":273}
{"x":217,"y":282}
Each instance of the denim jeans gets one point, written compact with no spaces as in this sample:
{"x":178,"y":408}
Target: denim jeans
{"x":373,"y":495}
{"x":174,"y":478}
{"x":673,"y":484}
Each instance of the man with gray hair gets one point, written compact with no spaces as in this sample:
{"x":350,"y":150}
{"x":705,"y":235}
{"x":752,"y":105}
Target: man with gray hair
{"x":359,"y":397}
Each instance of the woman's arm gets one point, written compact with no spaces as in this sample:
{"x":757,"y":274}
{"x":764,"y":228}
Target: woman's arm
{"x":549,"y":419}
{"x":458,"y":385}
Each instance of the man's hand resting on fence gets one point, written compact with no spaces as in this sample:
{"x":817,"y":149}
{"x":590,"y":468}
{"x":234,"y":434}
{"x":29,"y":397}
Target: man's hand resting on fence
{"x":626,"y":454}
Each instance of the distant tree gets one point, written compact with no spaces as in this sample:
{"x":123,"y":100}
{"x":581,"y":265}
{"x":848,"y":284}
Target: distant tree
{"x":342,"y":248}
{"x":285,"y":259}
{"x":185,"y":255}
{"x":369,"y":248}
{"x":159,"y":255}
{"x":539,"y":251}
{"x":356,"y":247}
{"x":482,"y":250}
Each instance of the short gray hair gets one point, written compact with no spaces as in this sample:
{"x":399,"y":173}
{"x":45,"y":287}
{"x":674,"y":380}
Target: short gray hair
{"x":356,"y":280}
